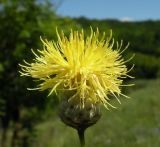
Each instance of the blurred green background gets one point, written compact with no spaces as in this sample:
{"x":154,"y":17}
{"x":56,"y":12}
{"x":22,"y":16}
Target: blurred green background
{"x":29,"y":118}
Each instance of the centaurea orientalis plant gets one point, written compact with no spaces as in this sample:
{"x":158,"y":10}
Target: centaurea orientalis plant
{"x":83,"y":71}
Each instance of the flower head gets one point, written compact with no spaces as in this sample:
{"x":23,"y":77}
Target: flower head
{"x":89,"y":66}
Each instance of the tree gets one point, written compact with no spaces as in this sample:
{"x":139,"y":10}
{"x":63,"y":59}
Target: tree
{"x":22,"y":22}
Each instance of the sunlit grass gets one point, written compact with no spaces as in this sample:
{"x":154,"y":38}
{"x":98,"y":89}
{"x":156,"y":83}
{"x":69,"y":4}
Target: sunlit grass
{"x":136,"y":123}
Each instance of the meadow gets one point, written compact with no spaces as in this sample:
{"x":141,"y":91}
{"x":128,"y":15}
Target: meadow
{"x":135,"y":123}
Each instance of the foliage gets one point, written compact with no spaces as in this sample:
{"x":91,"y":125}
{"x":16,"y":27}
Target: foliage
{"x":22,"y":22}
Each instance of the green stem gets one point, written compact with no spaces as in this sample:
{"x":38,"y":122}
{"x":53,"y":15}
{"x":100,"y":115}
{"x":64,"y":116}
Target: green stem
{"x":81,"y":136}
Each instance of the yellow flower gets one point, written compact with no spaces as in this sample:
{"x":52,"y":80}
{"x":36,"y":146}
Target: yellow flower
{"x":89,"y":66}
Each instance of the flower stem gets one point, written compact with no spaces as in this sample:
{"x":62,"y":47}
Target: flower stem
{"x":81,"y":136}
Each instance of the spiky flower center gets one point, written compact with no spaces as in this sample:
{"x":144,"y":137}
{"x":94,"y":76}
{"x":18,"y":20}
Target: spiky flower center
{"x":88,"y":66}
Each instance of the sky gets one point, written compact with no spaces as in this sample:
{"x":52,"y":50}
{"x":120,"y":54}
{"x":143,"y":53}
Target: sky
{"x":124,"y":10}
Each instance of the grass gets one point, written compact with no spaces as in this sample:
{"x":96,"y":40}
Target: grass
{"x":136,"y":123}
